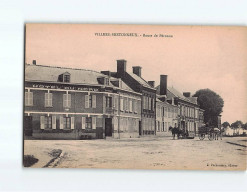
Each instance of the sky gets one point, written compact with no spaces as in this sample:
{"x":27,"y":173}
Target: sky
{"x":195,"y":57}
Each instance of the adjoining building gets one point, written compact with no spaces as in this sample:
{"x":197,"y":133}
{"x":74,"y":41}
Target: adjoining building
{"x":166,"y":117}
{"x":187,"y":107}
{"x":135,"y":81}
{"x":67,"y":103}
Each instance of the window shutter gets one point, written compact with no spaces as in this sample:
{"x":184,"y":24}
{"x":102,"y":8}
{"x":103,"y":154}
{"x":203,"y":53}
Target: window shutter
{"x":83,"y":122}
{"x":53,"y":122}
{"x":121,"y":104}
{"x":30,"y":98}
{"x":115,"y":123}
{"x":72,"y":122}
{"x":94,"y":101}
{"x":64,"y":100}
{"x":50,"y":99}
{"x":42,"y":122}
{"x":86,"y":101}
{"x":26,"y":98}
{"x":94,"y":122}
{"x":69,"y":100}
{"x":61,"y":122}
{"x":116,"y":102}
{"x":46,"y":99}
{"x":130,"y":105}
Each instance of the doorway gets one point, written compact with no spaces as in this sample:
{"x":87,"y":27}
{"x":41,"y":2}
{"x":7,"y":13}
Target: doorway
{"x":108,"y":126}
{"x":28,"y":125}
{"x":140,"y":128}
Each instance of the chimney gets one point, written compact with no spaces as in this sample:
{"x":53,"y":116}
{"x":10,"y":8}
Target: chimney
{"x":186,"y":94}
{"x":163,"y":84}
{"x":137,"y":70}
{"x":121,"y":67}
{"x":34,"y":62}
{"x":151,"y":83}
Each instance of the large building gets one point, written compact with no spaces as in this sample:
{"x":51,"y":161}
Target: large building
{"x":135,"y":81}
{"x":67,"y":103}
{"x":187,"y":107}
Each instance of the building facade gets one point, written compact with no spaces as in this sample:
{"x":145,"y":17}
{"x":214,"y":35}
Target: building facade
{"x":187,"y":108}
{"x":66,"y":103}
{"x":166,"y":117}
{"x":148,"y":94}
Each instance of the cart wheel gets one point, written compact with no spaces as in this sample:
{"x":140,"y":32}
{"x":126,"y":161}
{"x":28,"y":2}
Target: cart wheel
{"x":201,"y":136}
{"x":211,"y":136}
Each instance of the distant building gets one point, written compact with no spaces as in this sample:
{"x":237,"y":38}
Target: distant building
{"x":67,"y":103}
{"x":187,"y":106}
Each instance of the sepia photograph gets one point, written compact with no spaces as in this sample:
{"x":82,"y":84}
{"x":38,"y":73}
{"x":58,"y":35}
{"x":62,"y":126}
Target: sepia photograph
{"x":112,"y":96}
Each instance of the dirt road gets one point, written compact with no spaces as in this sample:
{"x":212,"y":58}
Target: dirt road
{"x":143,"y":153}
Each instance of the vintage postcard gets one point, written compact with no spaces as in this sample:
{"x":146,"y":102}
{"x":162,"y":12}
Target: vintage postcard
{"x":135,"y":97}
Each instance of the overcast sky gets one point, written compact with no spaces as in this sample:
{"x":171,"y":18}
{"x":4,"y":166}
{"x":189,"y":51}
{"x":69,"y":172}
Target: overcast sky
{"x":194,"y":58}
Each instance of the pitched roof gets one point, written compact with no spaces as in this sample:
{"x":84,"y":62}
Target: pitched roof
{"x":78,"y":76}
{"x":140,"y":80}
{"x":172,"y":92}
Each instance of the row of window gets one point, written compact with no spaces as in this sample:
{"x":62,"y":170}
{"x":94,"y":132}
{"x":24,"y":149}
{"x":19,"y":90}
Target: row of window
{"x":169,"y":112}
{"x":126,"y":124}
{"x":163,"y":126}
{"x":50,"y":122}
{"x":148,"y":103}
{"x":128,"y":104}
{"x":148,"y":124}
{"x":189,"y":112}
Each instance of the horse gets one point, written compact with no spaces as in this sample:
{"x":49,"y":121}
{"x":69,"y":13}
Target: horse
{"x":175,"y":131}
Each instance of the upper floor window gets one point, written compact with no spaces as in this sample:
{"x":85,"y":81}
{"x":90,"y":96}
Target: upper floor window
{"x":48,"y":99}
{"x":121,"y":104}
{"x":67,"y":100}
{"x":107,"y":82}
{"x":28,"y":98}
{"x":65,"y":77}
{"x":90,"y":101}
{"x":108,"y":102}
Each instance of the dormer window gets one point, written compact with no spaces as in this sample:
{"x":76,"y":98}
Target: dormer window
{"x":65,"y":77}
{"x":107,"y":81}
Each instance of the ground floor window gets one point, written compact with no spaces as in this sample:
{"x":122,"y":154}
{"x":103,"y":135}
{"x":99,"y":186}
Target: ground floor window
{"x":48,"y":122}
{"x":88,"y":122}
{"x":67,"y":122}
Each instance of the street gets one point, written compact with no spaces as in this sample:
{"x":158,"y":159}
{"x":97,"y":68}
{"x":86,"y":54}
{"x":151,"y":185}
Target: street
{"x":142,"y":153}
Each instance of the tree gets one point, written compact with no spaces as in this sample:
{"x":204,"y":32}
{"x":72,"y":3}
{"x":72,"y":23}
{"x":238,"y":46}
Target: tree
{"x":244,"y":126}
{"x":236,"y":124}
{"x":225,"y":124}
{"x":212,"y":103}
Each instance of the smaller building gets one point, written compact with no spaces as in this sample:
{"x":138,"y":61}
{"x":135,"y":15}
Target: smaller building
{"x":166,"y":117}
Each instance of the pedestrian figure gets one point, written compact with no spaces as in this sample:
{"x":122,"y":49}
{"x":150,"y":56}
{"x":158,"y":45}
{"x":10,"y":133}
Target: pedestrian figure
{"x":217,"y":133}
{"x":175,"y":131}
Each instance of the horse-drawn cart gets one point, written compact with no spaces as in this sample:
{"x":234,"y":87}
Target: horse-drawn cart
{"x":210,"y":132}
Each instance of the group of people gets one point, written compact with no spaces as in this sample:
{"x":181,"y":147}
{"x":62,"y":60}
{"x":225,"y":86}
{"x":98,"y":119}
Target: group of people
{"x":184,"y":132}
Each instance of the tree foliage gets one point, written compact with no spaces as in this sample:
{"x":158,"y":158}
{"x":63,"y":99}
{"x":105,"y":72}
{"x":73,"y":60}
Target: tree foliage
{"x":225,"y":124}
{"x":212,"y":103}
{"x":237,"y":124}
{"x":244,"y":126}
